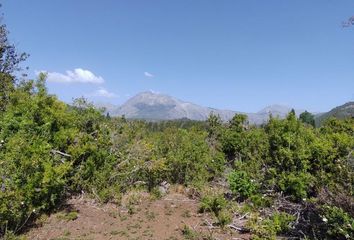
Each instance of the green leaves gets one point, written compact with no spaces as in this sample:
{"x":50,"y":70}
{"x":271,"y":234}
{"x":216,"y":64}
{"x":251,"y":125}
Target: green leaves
{"x":307,"y":118}
{"x":241,"y":184}
{"x":338,"y":224}
{"x":296,"y":184}
{"x":34,"y":127}
{"x":188,"y":156}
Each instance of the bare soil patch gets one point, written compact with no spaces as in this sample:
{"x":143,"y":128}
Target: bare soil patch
{"x":139,"y":217}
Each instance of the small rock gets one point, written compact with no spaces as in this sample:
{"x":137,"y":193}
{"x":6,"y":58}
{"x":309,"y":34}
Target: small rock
{"x":164,"y":187}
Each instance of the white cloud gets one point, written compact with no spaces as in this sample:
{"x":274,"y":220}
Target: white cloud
{"x":78,"y":75}
{"x":149,"y":75}
{"x":102,"y":92}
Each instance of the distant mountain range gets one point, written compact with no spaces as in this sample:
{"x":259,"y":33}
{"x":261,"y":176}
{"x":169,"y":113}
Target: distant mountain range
{"x":156,"y":106}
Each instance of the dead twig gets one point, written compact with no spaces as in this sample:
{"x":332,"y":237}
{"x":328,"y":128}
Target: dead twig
{"x":94,"y":193}
{"x":60,"y":153}
{"x":176,"y":200}
{"x":209,"y":224}
{"x":240,"y":229}
{"x":243,"y":216}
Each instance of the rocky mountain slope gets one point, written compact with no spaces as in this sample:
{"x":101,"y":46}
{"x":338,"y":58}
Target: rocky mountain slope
{"x":343,"y":111}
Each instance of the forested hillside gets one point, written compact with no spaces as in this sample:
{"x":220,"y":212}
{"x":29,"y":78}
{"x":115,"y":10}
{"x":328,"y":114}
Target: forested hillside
{"x":341,"y":112}
{"x":286,"y":177}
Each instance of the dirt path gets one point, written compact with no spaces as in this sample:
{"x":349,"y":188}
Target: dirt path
{"x":173,"y":217}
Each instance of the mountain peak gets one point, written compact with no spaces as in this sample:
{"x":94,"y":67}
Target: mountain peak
{"x":157,"y":106}
{"x":150,"y":92}
{"x":278,"y":110}
{"x":152,"y":105}
{"x":151,"y":98}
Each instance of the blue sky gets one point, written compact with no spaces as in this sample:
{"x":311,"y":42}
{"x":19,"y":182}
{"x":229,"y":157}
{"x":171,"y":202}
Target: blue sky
{"x":240,"y":55}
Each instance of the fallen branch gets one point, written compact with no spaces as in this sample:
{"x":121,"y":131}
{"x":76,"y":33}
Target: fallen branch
{"x":139,"y":183}
{"x":60,"y":153}
{"x":235,"y":227}
{"x":176,"y":200}
{"x":209,"y":225}
{"x":24,"y":223}
{"x":244,"y":216}
{"x":240,"y":229}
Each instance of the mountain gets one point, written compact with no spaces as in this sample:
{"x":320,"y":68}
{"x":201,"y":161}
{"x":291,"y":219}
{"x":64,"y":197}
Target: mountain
{"x":344,"y":111}
{"x":156,"y":106}
{"x":278,"y":110}
{"x":108,"y":107}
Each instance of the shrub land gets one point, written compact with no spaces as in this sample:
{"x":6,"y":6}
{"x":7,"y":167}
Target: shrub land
{"x":291,"y":178}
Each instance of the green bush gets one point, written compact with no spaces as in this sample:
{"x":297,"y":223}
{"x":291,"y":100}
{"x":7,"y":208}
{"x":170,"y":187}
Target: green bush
{"x":45,"y":146}
{"x":260,"y":201}
{"x":241,"y":184}
{"x":338,"y":224}
{"x":33,"y":172}
{"x":224,"y":217}
{"x":270,"y":227}
{"x":189,"y":159}
{"x":218,"y":205}
{"x":214,"y":203}
{"x":297,"y":185}
{"x":189,"y":234}
{"x":281,"y":221}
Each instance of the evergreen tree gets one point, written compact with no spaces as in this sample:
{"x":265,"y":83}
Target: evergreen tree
{"x":10,"y":61}
{"x":308,"y":118}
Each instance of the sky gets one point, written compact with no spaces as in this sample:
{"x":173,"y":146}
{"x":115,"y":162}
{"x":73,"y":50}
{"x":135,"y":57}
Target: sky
{"x":231,"y":54}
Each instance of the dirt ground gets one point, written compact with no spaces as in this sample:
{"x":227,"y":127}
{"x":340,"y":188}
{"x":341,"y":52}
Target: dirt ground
{"x":172,"y":217}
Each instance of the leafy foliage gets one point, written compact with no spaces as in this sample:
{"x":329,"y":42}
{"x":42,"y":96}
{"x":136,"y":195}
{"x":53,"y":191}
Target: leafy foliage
{"x":217,"y":204}
{"x":241,"y":184}
{"x":338,"y":223}
{"x":10,"y":61}
{"x":307,"y":118}
{"x":291,"y":158}
{"x":269,"y":228}
{"x":214,"y":203}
